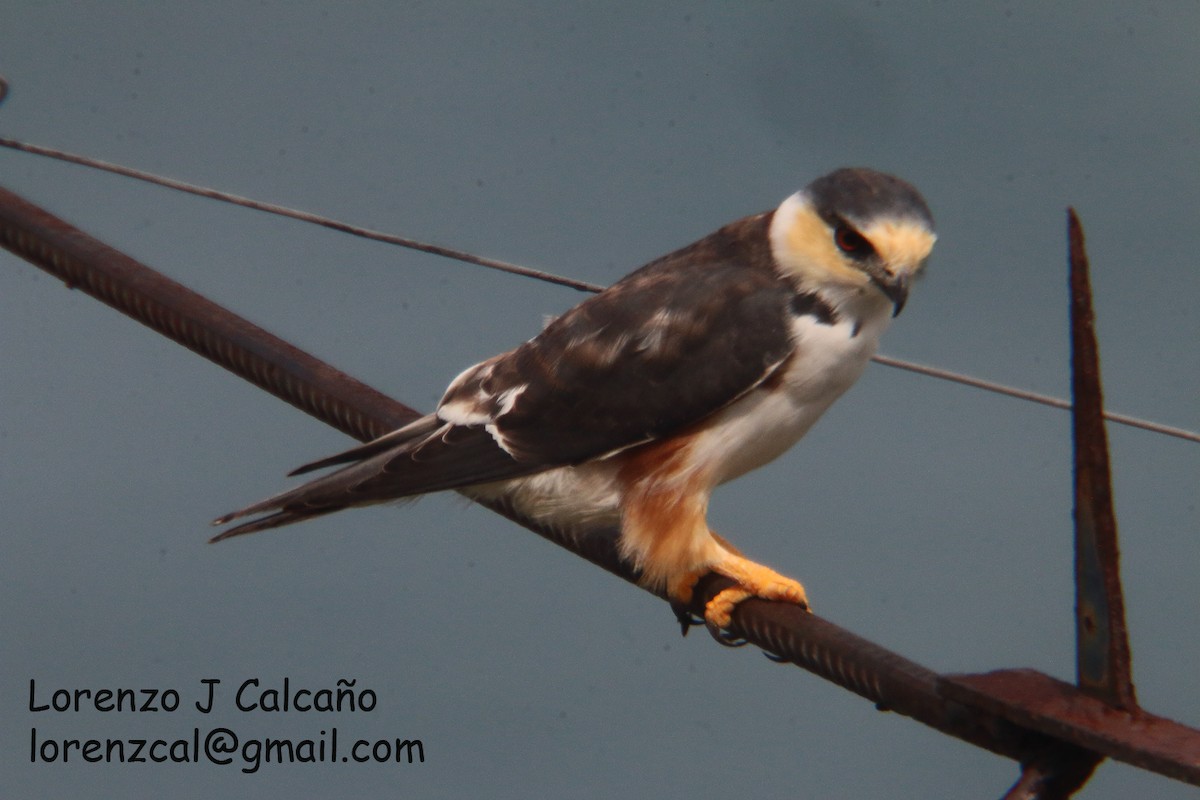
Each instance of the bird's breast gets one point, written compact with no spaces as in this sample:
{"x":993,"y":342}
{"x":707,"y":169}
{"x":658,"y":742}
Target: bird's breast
{"x":767,"y":421}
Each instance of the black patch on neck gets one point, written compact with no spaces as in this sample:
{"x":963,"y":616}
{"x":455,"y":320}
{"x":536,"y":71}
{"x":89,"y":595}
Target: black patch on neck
{"x":811,"y":304}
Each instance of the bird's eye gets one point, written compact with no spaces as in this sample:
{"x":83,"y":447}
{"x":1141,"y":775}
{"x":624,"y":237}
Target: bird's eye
{"x":851,"y":242}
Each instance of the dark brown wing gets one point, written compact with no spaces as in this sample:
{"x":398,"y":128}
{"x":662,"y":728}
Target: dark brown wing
{"x":662,"y":349}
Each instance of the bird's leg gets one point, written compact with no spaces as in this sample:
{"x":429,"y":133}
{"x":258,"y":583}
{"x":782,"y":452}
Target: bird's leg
{"x":753,"y":580}
{"x":665,"y":532}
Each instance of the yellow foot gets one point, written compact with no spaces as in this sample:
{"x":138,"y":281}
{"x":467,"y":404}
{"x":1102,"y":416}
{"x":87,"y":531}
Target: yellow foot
{"x":754,"y":580}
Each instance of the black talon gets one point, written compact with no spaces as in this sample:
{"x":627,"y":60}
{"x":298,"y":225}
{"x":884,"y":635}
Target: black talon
{"x":724,"y":638}
{"x":684,"y":617}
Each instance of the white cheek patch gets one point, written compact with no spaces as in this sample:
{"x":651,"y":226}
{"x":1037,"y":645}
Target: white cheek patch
{"x":802,"y":245}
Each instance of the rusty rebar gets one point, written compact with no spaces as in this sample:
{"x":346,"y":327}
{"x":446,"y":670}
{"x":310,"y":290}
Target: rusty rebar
{"x":1034,"y":701}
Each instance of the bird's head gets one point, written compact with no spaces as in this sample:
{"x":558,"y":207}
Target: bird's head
{"x":854,"y":234}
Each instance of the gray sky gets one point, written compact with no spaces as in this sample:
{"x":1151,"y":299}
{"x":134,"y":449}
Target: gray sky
{"x":930,"y":518}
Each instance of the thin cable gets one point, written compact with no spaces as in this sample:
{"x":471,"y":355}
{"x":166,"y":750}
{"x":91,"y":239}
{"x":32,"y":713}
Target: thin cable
{"x":541,"y":275}
{"x":1033,"y":397}
{"x":303,"y":216}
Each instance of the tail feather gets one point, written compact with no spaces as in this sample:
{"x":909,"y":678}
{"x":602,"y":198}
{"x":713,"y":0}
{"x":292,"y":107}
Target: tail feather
{"x":419,"y":428}
{"x":275,"y":520}
{"x":427,"y":455}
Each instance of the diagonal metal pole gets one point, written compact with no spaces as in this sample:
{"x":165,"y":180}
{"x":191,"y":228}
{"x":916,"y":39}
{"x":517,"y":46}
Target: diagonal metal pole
{"x":887,"y":679}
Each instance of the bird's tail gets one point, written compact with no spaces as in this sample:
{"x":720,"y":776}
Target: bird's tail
{"x":328,"y":493}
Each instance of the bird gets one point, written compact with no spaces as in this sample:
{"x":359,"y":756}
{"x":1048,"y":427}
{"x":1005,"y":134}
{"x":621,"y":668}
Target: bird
{"x":630,"y":408}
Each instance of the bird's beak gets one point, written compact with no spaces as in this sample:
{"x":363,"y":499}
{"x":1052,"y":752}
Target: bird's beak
{"x":895,"y":289}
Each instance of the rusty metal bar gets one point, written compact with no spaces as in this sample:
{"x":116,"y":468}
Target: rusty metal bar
{"x":889,"y":680}
{"x":1058,"y":709}
{"x":1103,"y":661}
